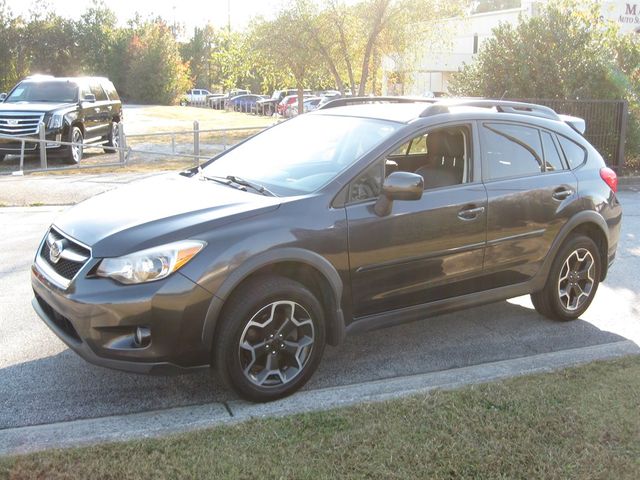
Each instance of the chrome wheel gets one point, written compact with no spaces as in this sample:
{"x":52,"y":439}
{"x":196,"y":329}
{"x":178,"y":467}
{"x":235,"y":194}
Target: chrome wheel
{"x":576,"y":280}
{"x":276,"y":344}
{"x":76,"y":148}
{"x":115,"y":135}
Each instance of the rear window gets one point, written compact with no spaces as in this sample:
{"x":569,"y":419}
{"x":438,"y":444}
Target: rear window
{"x":574,"y":153}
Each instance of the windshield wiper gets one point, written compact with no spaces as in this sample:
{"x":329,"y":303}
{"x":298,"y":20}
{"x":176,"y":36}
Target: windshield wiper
{"x":255,"y":186}
{"x":240,"y":184}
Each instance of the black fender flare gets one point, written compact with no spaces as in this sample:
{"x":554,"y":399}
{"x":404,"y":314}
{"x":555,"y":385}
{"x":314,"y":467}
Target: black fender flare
{"x":579,"y":219}
{"x":336,"y":330}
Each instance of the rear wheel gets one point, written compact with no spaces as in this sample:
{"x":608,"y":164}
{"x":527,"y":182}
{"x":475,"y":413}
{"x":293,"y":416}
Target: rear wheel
{"x":74,"y":152}
{"x":272,"y":339}
{"x":2,"y":155}
{"x":113,"y":139}
{"x":572,"y":282}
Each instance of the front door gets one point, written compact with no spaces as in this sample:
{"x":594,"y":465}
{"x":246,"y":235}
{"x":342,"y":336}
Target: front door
{"x":424,"y":250}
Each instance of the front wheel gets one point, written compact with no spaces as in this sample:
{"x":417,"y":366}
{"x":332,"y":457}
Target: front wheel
{"x":272,"y":339}
{"x":74,"y":152}
{"x":572,"y":282}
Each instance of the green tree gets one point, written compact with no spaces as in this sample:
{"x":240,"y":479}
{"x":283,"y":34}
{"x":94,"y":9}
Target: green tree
{"x":567,"y":51}
{"x":156,"y":72}
{"x":49,"y":41}
{"x":96,"y":34}
{"x":13,"y":55}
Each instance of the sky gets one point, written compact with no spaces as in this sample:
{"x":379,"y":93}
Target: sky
{"x":191,"y":13}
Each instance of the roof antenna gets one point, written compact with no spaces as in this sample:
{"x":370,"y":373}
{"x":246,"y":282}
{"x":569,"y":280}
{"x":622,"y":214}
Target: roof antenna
{"x":505,"y":92}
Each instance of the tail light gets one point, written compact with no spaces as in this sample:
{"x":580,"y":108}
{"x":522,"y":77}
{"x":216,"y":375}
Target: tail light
{"x":610,"y":178}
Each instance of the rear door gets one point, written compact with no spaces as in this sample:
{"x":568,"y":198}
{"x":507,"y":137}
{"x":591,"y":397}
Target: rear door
{"x":530,"y":196}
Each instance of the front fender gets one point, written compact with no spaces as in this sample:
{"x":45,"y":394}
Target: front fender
{"x":336,"y":326}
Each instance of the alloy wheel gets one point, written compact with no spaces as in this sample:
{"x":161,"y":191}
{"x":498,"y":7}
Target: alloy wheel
{"x":576,"y":280}
{"x":76,"y":148}
{"x":276,"y":344}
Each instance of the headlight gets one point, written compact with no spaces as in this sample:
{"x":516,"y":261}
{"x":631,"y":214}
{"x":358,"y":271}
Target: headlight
{"x":151,"y":264}
{"x":55,"y":121}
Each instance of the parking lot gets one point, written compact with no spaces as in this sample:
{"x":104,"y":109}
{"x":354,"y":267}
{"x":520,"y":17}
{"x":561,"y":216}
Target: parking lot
{"x":43,"y":381}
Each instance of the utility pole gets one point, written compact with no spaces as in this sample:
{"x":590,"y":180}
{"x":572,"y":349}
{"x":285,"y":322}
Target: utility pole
{"x":229,"y":16}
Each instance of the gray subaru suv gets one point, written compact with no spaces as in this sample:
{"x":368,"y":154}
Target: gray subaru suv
{"x":381,"y":211}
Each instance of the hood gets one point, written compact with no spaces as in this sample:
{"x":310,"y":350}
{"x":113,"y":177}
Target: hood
{"x":155,"y":211}
{"x":34,"y":107}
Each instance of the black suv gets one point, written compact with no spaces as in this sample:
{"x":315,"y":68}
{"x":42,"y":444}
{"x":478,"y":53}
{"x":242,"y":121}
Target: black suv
{"x":377,"y":214}
{"x":84,"y":110}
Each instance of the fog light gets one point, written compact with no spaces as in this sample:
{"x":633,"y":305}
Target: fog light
{"x":142,"y":337}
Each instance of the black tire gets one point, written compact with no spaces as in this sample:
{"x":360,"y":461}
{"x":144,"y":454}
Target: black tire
{"x":73,"y":155}
{"x":549,"y":301}
{"x":2,"y":155}
{"x":113,"y":138}
{"x":240,"y":369}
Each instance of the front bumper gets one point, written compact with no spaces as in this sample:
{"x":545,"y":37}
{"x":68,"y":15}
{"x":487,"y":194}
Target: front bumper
{"x":13,"y":146}
{"x":97,"y":318}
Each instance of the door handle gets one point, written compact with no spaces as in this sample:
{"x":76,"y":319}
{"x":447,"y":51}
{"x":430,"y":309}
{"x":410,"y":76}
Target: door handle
{"x":562,"y":193}
{"x":470,"y":213}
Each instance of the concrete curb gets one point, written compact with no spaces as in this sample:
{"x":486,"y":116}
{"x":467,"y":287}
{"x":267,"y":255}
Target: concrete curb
{"x":181,"y":419}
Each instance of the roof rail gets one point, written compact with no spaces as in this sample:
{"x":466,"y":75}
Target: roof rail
{"x":345,"y":101}
{"x":500,"y":105}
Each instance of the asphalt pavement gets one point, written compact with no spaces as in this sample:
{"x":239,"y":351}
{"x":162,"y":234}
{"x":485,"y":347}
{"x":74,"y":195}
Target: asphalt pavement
{"x":42,"y":381}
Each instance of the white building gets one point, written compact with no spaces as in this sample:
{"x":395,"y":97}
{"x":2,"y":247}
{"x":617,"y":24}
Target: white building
{"x":432,"y":72}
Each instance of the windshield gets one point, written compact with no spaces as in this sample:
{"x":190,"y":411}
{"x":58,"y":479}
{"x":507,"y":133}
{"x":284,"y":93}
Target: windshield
{"x":303,"y":154}
{"x":58,"y":92}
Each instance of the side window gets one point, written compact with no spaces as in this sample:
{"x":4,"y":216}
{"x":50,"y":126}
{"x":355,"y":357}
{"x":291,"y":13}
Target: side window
{"x":84,"y":91}
{"x":552,"y":162}
{"x":111,"y":90}
{"x":97,"y":90}
{"x":418,"y":145}
{"x":573,"y":152}
{"x":512,"y":150}
{"x":368,"y":184}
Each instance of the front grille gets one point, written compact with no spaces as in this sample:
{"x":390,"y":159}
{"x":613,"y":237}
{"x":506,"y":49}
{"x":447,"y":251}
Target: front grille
{"x":65,"y":267}
{"x":59,"y":320}
{"x":19,"y":123}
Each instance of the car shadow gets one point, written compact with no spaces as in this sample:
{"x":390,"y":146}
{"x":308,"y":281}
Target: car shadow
{"x":64,"y":387}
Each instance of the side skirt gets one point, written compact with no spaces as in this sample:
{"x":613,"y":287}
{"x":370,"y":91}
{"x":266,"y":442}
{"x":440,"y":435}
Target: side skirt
{"x":422,"y":311}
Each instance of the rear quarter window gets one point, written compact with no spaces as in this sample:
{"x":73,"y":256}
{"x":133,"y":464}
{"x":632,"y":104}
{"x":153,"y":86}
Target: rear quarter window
{"x":573,"y":153}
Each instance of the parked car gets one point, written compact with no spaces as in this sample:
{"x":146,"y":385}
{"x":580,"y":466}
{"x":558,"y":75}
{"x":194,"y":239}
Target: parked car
{"x":244,"y":103}
{"x":81,"y":110}
{"x":310,"y":104}
{"x":269,"y":106}
{"x":287,"y":102}
{"x":220,"y":102}
{"x":394,"y":213}
{"x":197,"y":96}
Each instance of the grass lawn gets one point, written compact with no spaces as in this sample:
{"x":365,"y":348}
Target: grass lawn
{"x":580,"y":423}
{"x":149,"y":119}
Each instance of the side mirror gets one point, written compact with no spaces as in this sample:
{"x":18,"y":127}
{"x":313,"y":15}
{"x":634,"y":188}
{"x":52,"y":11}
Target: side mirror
{"x":89,"y":97}
{"x":398,"y":186}
{"x":2,"y":97}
